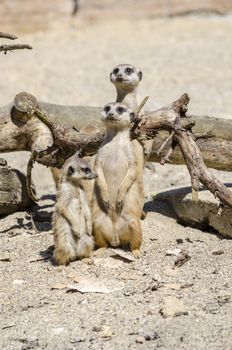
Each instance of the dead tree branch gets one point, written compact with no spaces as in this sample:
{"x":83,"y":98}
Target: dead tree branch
{"x":173,"y":119}
{"x":52,"y":143}
{"x":8,"y":36}
{"x":4,"y":48}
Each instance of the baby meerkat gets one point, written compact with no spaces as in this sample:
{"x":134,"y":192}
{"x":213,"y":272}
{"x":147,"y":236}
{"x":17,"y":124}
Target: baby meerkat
{"x":118,"y":192}
{"x":72,"y":223}
{"x":126,"y":79}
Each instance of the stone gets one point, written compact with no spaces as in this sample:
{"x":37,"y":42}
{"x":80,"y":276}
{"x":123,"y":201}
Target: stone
{"x":173,"y":307}
{"x":202,"y":214}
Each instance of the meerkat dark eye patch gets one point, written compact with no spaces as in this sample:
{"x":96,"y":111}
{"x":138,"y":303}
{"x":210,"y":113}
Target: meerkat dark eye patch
{"x":120,"y":110}
{"x":86,"y":170}
{"x":71,"y":171}
{"x":129,"y":71}
{"x":106,"y":109}
{"x":115,"y":71}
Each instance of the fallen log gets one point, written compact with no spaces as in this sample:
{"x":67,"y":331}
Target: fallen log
{"x":66,"y":140}
{"x":216,"y":150}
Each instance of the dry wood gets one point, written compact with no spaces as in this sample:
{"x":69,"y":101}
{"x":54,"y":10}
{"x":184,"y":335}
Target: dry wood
{"x":216,"y":150}
{"x":8,"y":36}
{"x":21,"y":130}
{"x":13,"y":191}
{"x":173,"y":119}
{"x":4,"y":48}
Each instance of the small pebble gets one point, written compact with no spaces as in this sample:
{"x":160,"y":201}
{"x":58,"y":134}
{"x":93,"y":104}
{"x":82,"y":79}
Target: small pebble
{"x":140,"y":339}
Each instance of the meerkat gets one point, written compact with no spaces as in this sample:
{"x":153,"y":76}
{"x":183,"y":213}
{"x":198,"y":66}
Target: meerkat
{"x":118,"y":191}
{"x":126,"y":79}
{"x":72,"y":223}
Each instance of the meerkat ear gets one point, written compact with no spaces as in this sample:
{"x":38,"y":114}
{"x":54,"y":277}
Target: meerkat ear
{"x":140,"y":74}
{"x":70,"y":171}
{"x":111,"y":76}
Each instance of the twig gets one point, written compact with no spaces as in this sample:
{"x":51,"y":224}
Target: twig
{"x":8,"y":36}
{"x":5,"y":48}
{"x":173,"y":121}
{"x":75,"y":7}
{"x":30,"y":187}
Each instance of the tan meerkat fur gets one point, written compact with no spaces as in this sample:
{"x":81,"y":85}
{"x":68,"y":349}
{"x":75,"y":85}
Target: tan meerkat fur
{"x":118,"y":196}
{"x":72,"y":223}
{"x":126,"y":79}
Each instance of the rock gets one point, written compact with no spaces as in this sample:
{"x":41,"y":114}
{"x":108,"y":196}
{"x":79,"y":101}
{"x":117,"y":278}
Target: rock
{"x":13,"y":190}
{"x":140,"y":339}
{"x":202,"y":214}
{"x":104,"y":331}
{"x":173,"y":307}
{"x":151,"y":336}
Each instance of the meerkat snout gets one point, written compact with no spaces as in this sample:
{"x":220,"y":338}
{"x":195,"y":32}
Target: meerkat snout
{"x":125,"y":74}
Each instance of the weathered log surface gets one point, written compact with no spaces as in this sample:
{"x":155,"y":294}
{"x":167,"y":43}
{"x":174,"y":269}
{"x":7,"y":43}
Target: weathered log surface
{"x":13,"y":191}
{"x":216,"y":150}
{"x":173,"y":119}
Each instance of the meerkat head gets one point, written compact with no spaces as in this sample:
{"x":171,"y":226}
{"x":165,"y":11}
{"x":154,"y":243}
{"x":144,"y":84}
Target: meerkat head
{"x":126,"y":75}
{"x":77,"y":169}
{"x":116,"y":115}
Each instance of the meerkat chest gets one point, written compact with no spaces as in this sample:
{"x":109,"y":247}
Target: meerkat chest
{"x":116,"y":158}
{"x":77,"y":202}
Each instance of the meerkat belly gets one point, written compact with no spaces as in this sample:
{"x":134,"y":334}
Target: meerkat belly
{"x":76,"y":209}
{"x":115,"y":168}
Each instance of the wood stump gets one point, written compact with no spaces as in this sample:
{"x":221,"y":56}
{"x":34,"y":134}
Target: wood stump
{"x":13,"y":190}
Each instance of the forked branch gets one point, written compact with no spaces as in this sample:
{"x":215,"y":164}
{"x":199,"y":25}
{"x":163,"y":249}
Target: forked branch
{"x":67,"y":140}
{"x":4,"y":48}
{"x":173,"y":119}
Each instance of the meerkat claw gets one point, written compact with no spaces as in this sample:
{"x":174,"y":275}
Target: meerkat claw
{"x":136,"y":253}
{"x":119,"y":206}
{"x":106,"y":205}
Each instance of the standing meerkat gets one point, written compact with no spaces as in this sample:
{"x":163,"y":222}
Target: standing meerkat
{"x":126,"y":79}
{"x":72,"y":223}
{"x":118,"y":192}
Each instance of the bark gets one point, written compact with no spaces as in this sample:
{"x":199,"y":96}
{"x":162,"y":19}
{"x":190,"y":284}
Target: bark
{"x":4,"y":48}
{"x":173,"y":119}
{"x":24,"y":125}
{"x":216,"y":150}
{"x":13,"y":190}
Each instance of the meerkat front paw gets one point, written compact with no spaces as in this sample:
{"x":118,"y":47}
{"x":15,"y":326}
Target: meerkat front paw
{"x":136,"y":253}
{"x":119,"y":205}
{"x":105,"y":204}
{"x":120,"y":202}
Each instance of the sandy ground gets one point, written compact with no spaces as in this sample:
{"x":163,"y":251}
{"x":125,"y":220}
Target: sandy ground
{"x":70,"y":64}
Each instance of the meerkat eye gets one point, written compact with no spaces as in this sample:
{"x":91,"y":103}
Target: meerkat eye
{"x":86,"y":170}
{"x":129,"y":71}
{"x":106,"y":109}
{"x":115,"y":71}
{"x":120,"y":110}
{"x":71,"y":171}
